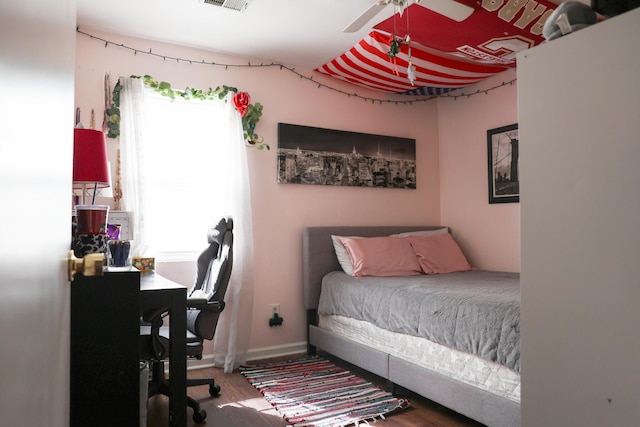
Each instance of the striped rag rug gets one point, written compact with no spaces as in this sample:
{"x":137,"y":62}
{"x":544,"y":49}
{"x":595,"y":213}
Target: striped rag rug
{"x":316,"y":393}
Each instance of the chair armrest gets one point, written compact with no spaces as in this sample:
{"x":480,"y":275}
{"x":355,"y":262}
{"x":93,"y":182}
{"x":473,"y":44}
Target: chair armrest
{"x":203,"y":304}
{"x":196,"y":302}
{"x":155,"y":316}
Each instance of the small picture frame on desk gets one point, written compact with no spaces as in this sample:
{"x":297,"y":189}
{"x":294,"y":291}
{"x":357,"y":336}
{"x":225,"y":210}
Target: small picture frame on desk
{"x":122,"y":219}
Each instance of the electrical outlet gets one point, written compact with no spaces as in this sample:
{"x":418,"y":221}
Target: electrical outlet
{"x":275,"y":319}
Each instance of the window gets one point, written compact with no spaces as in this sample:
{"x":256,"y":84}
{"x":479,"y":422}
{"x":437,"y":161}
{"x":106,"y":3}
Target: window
{"x":191,"y":167}
{"x":181,"y":160}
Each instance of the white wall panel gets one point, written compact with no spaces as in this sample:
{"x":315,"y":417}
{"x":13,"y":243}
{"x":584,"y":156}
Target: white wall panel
{"x":579,"y":104}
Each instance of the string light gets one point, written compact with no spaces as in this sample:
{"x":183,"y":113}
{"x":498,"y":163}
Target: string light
{"x":453,"y":95}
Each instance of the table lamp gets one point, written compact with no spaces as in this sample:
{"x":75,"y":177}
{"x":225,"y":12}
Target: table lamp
{"x":90,"y":165}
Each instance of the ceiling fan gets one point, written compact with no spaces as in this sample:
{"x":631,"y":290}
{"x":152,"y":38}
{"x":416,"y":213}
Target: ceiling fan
{"x":449,"y":8}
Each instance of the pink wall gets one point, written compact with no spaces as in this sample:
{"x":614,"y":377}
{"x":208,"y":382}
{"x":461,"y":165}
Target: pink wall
{"x":281,"y":210}
{"x":488,"y":234}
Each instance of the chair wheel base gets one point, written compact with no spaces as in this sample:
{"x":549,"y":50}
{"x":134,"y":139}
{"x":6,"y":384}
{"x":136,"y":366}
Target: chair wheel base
{"x":199,"y":416}
{"x":214,"y":389}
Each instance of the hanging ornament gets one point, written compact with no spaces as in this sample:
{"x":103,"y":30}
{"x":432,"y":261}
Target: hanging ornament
{"x":107,"y":102}
{"x":411,"y":69}
{"x":394,"y":44}
{"x":411,"y":73}
{"x":117,"y":188}
{"x":394,"y":47}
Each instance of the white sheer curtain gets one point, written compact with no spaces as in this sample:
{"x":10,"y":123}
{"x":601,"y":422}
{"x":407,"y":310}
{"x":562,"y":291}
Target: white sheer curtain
{"x":132,"y":153}
{"x":229,"y":185}
{"x":231,"y":341}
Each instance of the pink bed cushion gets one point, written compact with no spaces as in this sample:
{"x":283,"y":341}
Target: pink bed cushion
{"x":439,"y":254}
{"x":381,"y":256}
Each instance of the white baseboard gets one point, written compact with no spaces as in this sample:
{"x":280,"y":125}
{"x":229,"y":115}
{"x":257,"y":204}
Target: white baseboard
{"x":277,"y":351}
{"x":205,"y":362}
{"x":254,"y":354}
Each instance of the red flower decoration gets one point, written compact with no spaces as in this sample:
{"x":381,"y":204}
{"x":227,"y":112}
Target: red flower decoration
{"x":241,"y":101}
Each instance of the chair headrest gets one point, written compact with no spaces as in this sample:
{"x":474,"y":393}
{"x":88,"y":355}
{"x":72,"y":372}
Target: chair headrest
{"x":216,"y":233}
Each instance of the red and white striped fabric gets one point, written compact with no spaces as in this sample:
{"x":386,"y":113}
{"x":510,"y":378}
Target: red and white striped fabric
{"x":368,"y":64}
{"x":446,"y":54}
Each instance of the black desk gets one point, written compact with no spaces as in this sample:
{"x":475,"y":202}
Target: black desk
{"x":157,"y":291}
{"x":105,"y":337}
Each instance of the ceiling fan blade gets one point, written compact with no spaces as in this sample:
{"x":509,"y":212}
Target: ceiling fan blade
{"x":449,"y":8}
{"x":366,"y":16}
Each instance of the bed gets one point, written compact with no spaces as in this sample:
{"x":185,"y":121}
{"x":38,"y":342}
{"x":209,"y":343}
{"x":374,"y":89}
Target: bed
{"x":479,"y":379}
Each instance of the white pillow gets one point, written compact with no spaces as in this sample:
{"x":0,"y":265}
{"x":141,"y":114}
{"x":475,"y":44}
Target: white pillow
{"x":443,"y":230}
{"x":343,"y":256}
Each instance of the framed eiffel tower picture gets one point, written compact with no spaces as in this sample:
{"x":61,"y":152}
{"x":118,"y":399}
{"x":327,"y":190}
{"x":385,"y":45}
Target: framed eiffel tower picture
{"x":503,"y":162}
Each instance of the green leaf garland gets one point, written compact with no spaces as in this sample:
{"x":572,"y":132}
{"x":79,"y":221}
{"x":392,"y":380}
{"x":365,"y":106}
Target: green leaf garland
{"x":249,"y":121}
{"x":113,"y":124}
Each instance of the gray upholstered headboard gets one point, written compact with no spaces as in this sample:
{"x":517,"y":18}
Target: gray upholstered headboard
{"x":319,"y":257}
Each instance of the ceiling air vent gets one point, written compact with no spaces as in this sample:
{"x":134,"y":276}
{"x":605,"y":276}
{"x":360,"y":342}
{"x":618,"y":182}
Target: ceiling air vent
{"x":239,"y":5}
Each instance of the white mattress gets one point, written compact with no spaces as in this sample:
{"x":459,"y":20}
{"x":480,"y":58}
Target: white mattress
{"x":464,"y":367}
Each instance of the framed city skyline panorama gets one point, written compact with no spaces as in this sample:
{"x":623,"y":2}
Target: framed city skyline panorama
{"x":318,"y":156}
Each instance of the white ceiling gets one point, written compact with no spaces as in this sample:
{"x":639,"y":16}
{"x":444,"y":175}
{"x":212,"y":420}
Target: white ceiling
{"x":304,"y":33}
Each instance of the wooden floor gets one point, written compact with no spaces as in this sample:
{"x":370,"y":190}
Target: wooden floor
{"x":240,"y":405}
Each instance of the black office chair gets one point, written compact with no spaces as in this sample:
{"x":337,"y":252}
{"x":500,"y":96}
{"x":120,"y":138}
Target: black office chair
{"x":205,"y":302}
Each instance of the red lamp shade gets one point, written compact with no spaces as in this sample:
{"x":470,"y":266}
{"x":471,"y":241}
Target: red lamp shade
{"x":90,"y":165}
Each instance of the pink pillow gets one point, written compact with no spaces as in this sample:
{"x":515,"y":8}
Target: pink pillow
{"x":439,"y":254}
{"x":381,"y":256}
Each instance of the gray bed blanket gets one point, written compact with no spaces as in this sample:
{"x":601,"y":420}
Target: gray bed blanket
{"x":476,"y":311}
